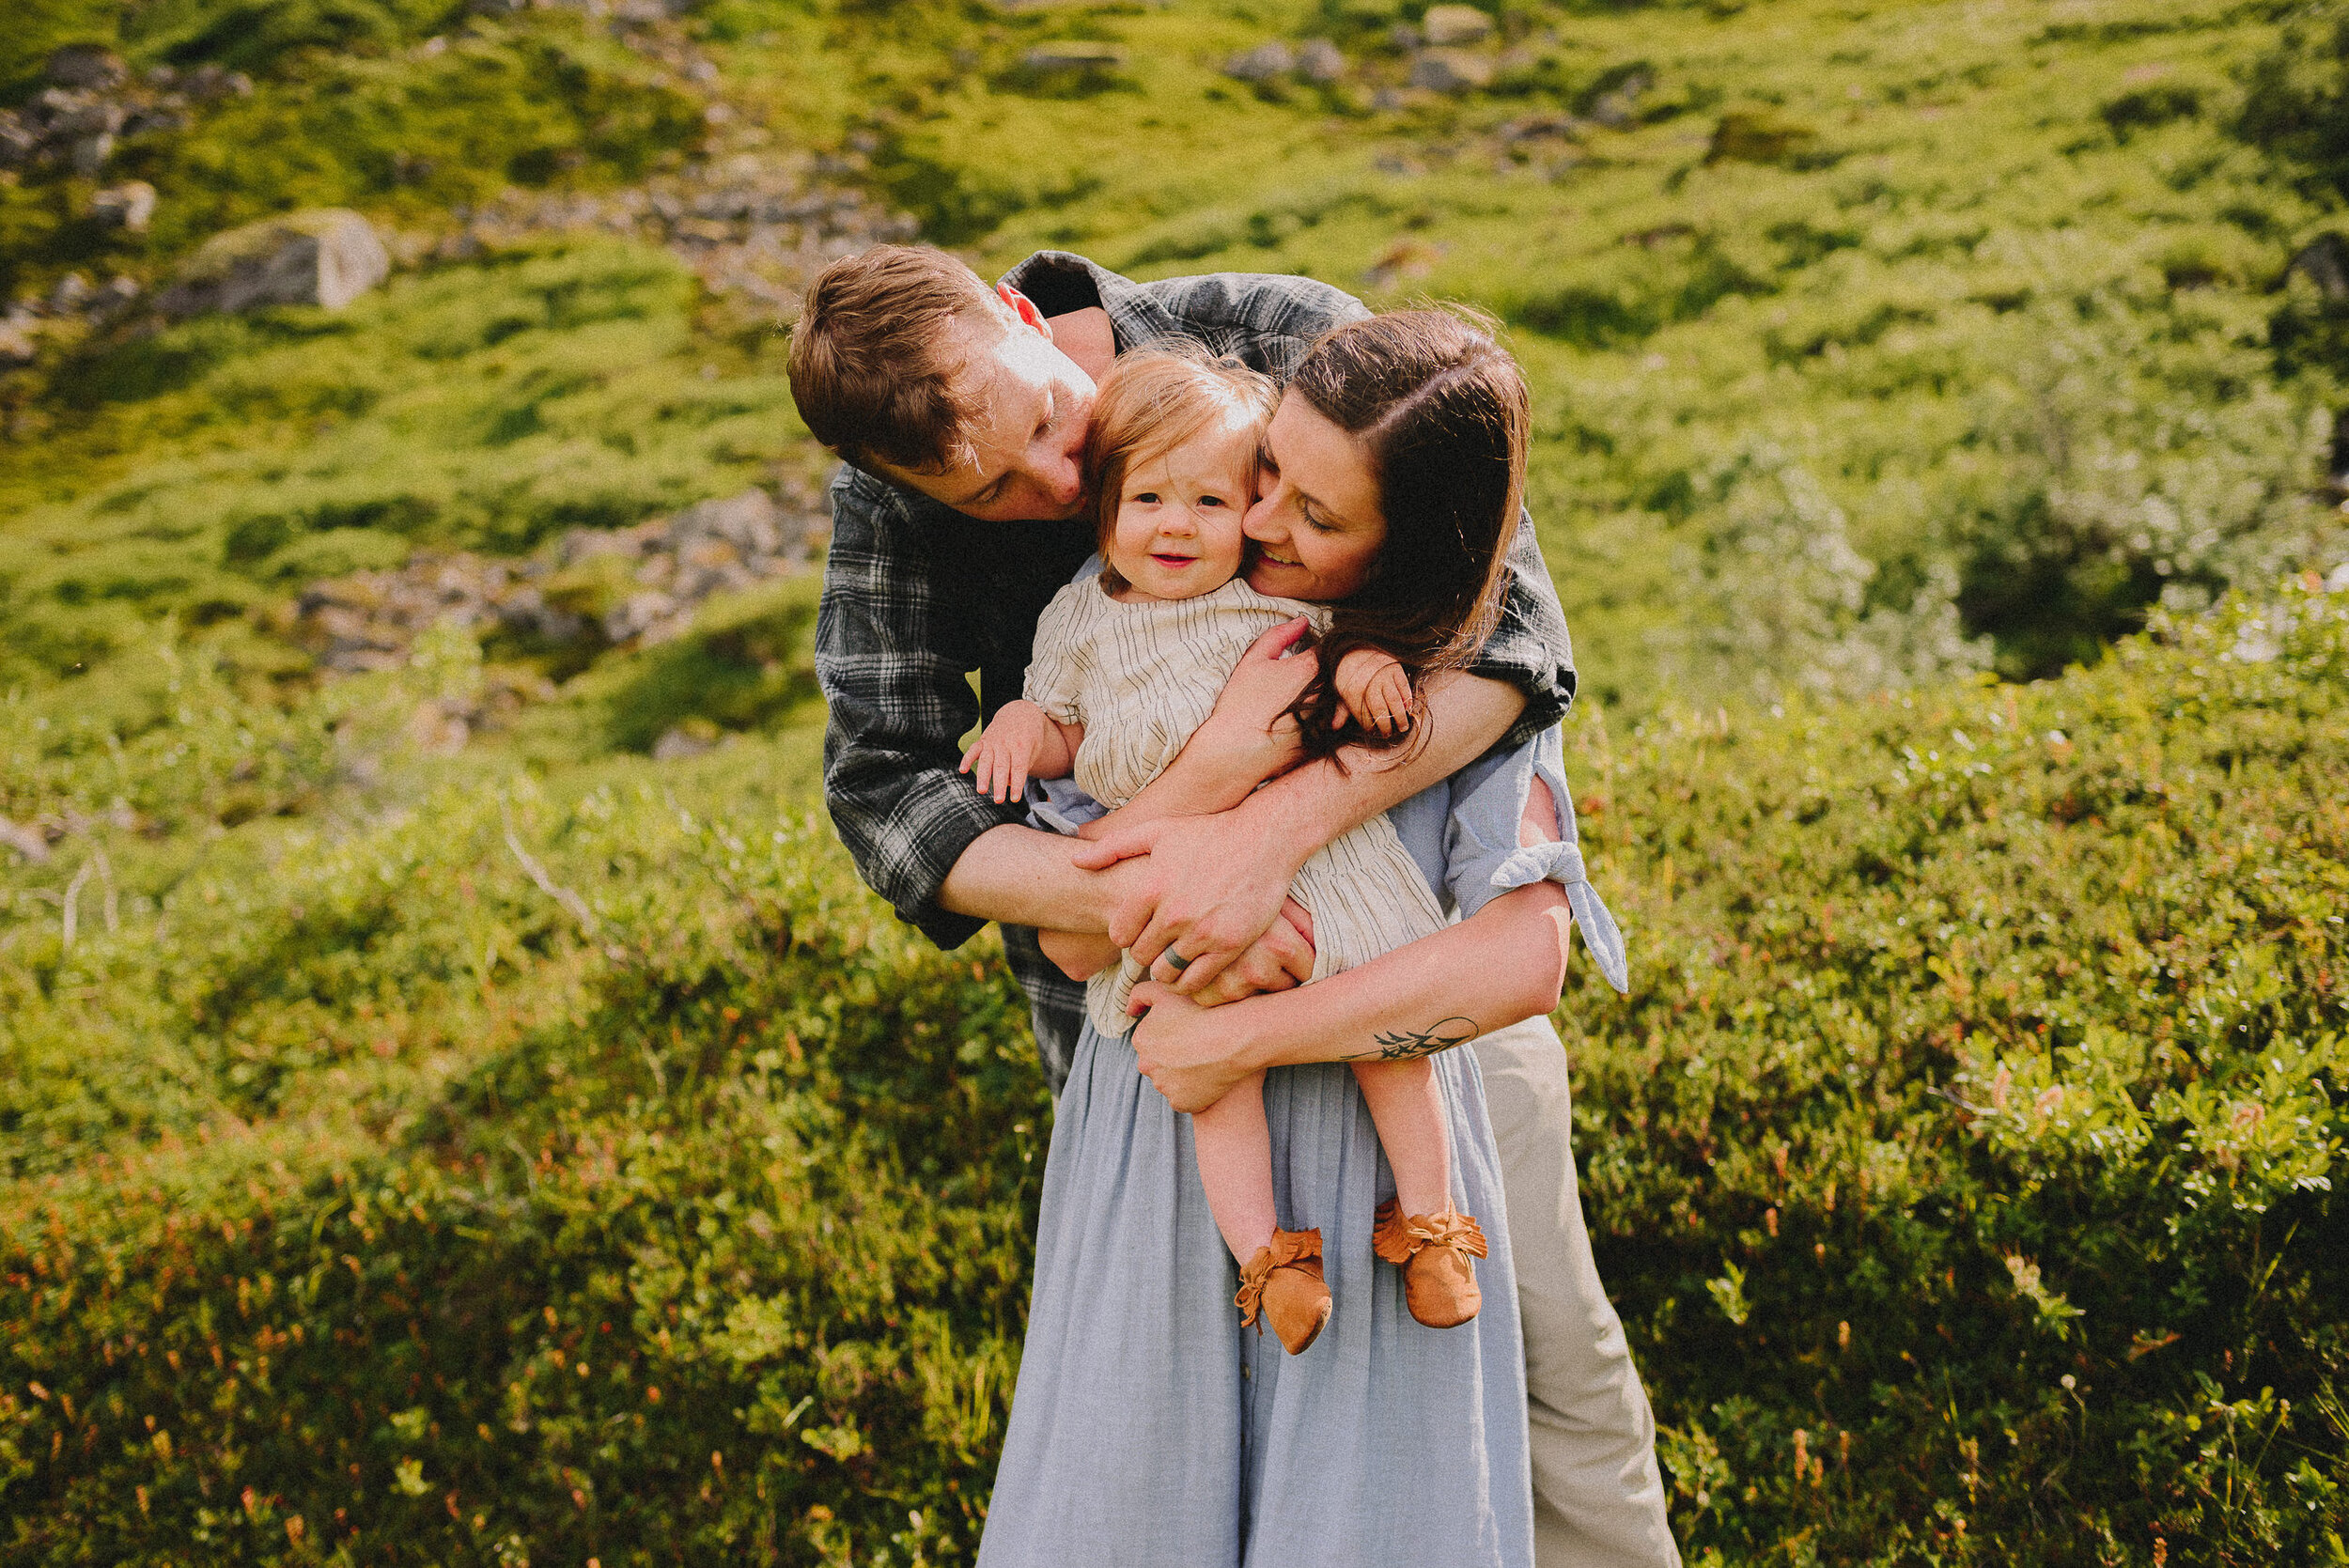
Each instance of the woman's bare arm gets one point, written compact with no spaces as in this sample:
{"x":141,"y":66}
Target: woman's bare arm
{"x":1215,"y":883}
{"x":1504,"y":964}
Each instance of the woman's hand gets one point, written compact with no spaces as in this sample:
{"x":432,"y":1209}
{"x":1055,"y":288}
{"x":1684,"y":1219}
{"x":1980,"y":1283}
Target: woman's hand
{"x":1282,"y":959}
{"x":1250,"y":736}
{"x":1183,"y":1051}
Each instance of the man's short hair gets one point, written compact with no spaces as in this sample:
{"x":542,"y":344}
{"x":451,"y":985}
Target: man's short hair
{"x":872,"y":363}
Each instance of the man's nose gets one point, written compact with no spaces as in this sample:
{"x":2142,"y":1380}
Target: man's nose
{"x":1061,"y":478}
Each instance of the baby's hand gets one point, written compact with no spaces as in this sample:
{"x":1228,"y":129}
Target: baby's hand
{"x":1007,"y":750}
{"x":1375,"y":691}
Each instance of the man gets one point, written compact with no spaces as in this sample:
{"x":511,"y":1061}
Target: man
{"x":962,"y":412}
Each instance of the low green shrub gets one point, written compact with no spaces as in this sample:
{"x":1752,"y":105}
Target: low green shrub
{"x":596,"y":1170}
{"x":678,"y":1217}
{"x":1963,"y":1162}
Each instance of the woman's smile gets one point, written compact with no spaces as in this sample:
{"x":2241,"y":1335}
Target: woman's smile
{"x":1319,"y":528}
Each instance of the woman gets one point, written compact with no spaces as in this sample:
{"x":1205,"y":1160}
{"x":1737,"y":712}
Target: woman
{"x":1143,"y":1429}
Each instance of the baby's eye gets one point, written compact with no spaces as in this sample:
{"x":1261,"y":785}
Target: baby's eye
{"x":1210,"y":501}
{"x":1146,"y":498}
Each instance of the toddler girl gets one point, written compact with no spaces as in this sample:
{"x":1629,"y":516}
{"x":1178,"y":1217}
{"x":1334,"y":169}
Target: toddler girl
{"x":1126,"y":668}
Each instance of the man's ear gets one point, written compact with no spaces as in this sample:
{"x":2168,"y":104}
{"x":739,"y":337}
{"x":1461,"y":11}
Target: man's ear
{"x":1024,"y":308}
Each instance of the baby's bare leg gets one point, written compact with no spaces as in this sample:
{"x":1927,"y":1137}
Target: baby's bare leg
{"x":1408,"y":1109}
{"x":1235,"y":1166}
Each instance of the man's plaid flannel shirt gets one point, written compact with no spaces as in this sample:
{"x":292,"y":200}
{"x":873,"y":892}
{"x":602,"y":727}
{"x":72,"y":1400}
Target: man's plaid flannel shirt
{"x":917,"y":596}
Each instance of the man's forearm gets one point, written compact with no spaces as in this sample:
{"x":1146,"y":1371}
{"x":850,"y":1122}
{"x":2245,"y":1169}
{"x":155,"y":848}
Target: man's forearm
{"x":1022,"y":875}
{"x":1501,"y":966}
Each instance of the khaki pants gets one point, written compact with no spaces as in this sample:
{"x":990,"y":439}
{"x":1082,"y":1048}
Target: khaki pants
{"x":1597,"y":1496}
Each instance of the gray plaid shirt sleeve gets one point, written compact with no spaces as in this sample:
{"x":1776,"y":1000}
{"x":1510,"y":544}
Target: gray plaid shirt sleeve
{"x":1530,"y":648}
{"x":900,"y":700}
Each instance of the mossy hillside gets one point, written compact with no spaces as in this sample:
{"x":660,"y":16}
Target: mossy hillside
{"x":1971,"y":367}
{"x":737,"y":1265}
{"x":215,"y":469}
{"x":1980,"y":1102}
{"x":1962,"y":1060}
{"x":1986,"y":359}
{"x":402,"y":107}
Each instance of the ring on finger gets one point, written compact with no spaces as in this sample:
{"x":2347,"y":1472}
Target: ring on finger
{"x":1176,"y":961}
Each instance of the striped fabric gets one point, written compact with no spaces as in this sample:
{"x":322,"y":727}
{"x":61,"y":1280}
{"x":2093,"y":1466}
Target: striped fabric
{"x":1140,"y":676}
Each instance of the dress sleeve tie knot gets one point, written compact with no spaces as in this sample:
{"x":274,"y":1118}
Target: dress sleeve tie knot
{"x":1561,"y":862}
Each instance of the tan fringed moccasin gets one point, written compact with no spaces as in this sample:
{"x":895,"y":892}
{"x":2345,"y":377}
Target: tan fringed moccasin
{"x":1433,"y":1251}
{"x":1284,"y":1279}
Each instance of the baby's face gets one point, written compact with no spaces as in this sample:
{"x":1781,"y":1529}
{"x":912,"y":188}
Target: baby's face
{"x":1178,"y":515}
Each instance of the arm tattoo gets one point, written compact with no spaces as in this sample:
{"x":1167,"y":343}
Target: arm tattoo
{"x":1405,"y":1045}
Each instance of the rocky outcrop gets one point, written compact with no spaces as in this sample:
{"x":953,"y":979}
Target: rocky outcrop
{"x":1075,"y":56}
{"x":91,"y":105}
{"x":1455,"y":26}
{"x":638,"y":585}
{"x":328,"y":257}
{"x":1451,"y":70}
{"x":1315,"y":60}
{"x":755,"y":224}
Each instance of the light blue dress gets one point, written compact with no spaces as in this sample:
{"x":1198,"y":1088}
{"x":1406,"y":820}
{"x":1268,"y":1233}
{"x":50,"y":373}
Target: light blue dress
{"x":1149,"y":1430}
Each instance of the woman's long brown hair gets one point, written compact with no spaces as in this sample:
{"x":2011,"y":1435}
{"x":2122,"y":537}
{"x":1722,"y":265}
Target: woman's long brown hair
{"x":1441,"y":411}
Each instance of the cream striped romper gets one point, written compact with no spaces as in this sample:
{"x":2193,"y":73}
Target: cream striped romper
{"x":1140,"y":677}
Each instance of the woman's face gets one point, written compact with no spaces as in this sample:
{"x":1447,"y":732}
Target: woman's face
{"x":1318,"y":527}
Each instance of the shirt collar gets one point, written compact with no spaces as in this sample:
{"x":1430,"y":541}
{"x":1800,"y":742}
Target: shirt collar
{"x":1136,"y":317}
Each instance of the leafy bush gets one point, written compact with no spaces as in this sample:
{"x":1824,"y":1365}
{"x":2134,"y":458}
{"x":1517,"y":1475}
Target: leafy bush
{"x":682,"y":1216}
{"x":1963,"y":1163}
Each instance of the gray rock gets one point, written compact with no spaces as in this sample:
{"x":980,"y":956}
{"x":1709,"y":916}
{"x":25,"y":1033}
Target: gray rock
{"x":16,"y":343}
{"x":749,"y":522}
{"x":84,"y":65}
{"x":1449,"y":26}
{"x":2325,"y":262}
{"x":1614,"y":110}
{"x":1262,"y":63}
{"x":1451,"y":71}
{"x":326,"y":256}
{"x":74,"y":118}
{"x":127,"y":206}
{"x":1319,"y":60}
{"x":90,"y":153}
{"x":1074,"y":55}
{"x":207,"y":82}
{"x":71,"y":293}
{"x":17,"y":143}
{"x":1405,"y":37}
{"x":689,"y":740}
